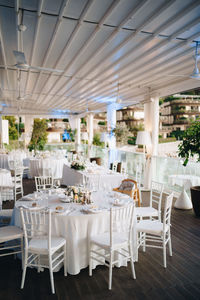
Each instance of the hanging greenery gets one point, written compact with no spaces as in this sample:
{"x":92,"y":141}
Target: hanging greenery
{"x":39,"y":135}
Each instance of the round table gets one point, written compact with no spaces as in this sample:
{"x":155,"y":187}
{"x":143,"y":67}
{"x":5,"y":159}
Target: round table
{"x":47,"y":166}
{"x":6,"y":185}
{"x":185,"y":181}
{"x":77,"y":227}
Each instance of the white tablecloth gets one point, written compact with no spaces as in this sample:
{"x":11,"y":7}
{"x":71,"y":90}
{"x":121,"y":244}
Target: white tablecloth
{"x":186,"y":180}
{"x":4,"y":158}
{"x":6,"y":185}
{"x":5,"y":178}
{"x":77,"y":227}
{"x":99,"y":178}
{"x":55,"y":165}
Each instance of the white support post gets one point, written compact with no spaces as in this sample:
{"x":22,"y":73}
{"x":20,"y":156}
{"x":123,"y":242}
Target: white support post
{"x":78,"y":135}
{"x":91,"y":128}
{"x":151,"y":124}
{"x":28,"y":126}
{"x":111,"y":123}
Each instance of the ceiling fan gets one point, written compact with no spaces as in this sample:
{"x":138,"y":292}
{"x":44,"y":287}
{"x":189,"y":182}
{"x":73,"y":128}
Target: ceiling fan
{"x":195,"y":74}
{"x":22,"y":63}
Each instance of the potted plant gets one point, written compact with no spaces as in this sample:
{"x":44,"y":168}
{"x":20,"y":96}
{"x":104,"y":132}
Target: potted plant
{"x":190,"y":147}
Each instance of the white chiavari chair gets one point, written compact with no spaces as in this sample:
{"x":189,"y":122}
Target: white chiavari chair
{"x":17,"y":177}
{"x":43,"y":183}
{"x":154,"y":208}
{"x":117,"y":241}
{"x":151,"y":233}
{"x":40,"y":242}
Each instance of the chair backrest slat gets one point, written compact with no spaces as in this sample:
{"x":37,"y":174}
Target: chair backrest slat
{"x":156,"y":195}
{"x":167,"y":211}
{"x":36,"y":223}
{"x":121,"y":221}
{"x":43,"y":182}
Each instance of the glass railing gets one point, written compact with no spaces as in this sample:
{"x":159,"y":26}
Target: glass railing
{"x":161,"y":167}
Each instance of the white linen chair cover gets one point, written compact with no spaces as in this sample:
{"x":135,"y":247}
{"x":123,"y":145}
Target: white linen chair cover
{"x":43,"y":183}
{"x":117,"y":240}
{"x":153,"y":232}
{"x":38,"y":241}
{"x":154,"y":208}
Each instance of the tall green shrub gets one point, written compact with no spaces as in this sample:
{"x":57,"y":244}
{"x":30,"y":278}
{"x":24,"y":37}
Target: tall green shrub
{"x":39,"y":135}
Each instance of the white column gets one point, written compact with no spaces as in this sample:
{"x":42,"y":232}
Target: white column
{"x":91,"y":128}
{"x":4,"y":132}
{"x":28,"y":127}
{"x":151,"y":122}
{"x":78,"y":135}
{"x":111,"y":124}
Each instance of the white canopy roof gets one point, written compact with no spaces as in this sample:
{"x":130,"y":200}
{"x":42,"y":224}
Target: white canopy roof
{"x":108,"y":50}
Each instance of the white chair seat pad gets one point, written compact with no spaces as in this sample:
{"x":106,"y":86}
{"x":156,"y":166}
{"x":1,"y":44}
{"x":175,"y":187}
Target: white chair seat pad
{"x":151,"y":227}
{"x":6,"y":213}
{"x":40,"y":245}
{"x":103,"y":240}
{"x":146,"y":211}
{"x":9,"y":233}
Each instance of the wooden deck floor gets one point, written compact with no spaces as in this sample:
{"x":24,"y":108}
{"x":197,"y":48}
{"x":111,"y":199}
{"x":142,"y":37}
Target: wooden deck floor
{"x":181,"y":279}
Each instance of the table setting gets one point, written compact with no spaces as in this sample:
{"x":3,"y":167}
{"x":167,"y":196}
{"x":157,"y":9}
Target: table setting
{"x":75,"y":218}
{"x":90,"y":174}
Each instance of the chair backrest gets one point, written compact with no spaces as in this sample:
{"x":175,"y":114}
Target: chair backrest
{"x":123,"y":168}
{"x":43,"y":183}
{"x":156,"y":195}
{"x":121,"y":221}
{"x":114,"y":166}
{"x":167,"y":211}
{"x":36,"y":223}
{"x":17,"y":175}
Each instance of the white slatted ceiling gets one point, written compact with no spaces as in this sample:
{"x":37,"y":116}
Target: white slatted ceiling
{"x":155,"y":38}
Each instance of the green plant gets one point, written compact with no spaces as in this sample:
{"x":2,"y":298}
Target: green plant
{"x":190,"y":145}
{"x":39,"y":135}
{"x":97,"y":140}
{"x":121,"y":132}
{"x":134,"y":130}
{"x":131,"y":140}
{"x":102,"y":123}
{"x":83,"y":121}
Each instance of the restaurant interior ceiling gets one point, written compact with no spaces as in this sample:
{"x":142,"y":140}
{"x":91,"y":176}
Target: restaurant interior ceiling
{"x":74,"y":56}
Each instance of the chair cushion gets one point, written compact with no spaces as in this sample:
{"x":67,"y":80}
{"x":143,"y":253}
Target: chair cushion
{"x":103,"y":240}
{"x":151,"y":227}
{"x":127,"y":186}
{"x":40,"y":244}
{"x":9,"y":233}
{"x":146,"y":211}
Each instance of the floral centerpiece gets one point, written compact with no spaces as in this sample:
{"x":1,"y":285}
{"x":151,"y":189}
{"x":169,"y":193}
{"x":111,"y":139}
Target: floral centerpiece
{"x":77,"y":165}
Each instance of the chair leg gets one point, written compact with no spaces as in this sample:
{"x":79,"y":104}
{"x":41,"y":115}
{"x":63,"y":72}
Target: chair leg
{"x":65,"y":260}
{"x":132,"y":262}
{"x":24,"y":270}
{"x":164,"y":254}
{"x":144,"y":241}
{"x":170,"y":244}
{"x":38,"y":263}
{"x":110,"y":270}
{"x":51,"y":275}
{"x":90,"y":260}
{"x":22,"y":251}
